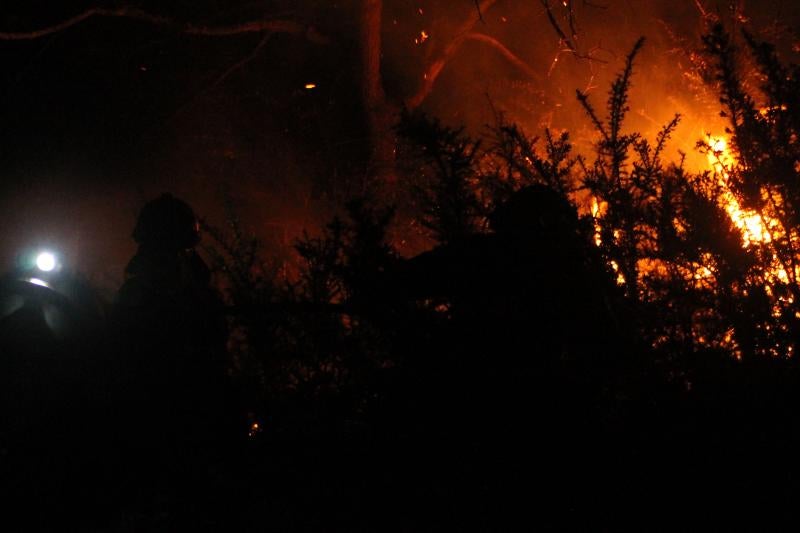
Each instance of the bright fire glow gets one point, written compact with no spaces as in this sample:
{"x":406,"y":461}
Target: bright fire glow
{"x":749,"y":222}
{"x":755,"y":228}
{"x":596,"y":215}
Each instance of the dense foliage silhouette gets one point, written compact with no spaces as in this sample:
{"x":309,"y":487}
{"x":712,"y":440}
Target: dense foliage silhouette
{"x":589,"y":343}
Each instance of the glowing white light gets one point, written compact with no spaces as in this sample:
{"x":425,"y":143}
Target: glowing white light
{"x":45,"y":261}
{"x":37,"y":281}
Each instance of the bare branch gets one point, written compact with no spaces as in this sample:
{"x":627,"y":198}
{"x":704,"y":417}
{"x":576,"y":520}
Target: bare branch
{"x":224,"y":76}
{"x":254,"y":26}
{"x":505,"y":52}
{"x":36,"y":34}
{"x":571,"y":16}
{"x":478,"y":7}
{"x":701,"y":9}
{"x":482,"y":6}
{"x":435,"y":68}
{"x":252,"y":55}
{"x":433,"y":71}
{"x":566,"y":41}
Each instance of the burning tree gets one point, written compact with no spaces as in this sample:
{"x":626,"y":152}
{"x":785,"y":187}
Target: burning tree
{"x":708,"y":258}
{"x":711,"y":256}
{"x":762,"y":170}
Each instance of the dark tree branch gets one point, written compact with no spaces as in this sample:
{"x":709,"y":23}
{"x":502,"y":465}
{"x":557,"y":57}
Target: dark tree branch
{"x":254,"y":26}
{"x":478,"y":7}
{"x":505,"y":52}
{"x":571,"y":17}
{"x":433,"y":70}
{"x":557,"y":27}
{"x":224,"y":76}
{"x":568,"y":43}
{"x":701,"y":9}
{"x":241,"y":63}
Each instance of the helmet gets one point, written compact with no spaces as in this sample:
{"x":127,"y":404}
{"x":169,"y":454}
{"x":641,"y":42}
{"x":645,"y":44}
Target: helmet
{"x":167,"y":223}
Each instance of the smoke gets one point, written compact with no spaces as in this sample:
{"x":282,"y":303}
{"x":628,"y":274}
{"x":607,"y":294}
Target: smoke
{"x":115,"y":112}
{"x":667,"y":77}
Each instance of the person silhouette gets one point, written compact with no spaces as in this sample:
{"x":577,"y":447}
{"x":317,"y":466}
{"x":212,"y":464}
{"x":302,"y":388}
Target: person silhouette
{"x":533,"y":280}
{"x":173,"y":335}
{"x":525,"y":362}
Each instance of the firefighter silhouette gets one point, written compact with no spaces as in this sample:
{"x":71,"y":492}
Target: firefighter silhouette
{"x":173,"y":337}
{"x":167,"y":292}
{"x":534,"y":325}
{"x":530,"y":338}
{"x":534,"y":282}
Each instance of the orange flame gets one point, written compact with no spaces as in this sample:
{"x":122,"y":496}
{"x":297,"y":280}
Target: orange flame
{"x":750,"y":223}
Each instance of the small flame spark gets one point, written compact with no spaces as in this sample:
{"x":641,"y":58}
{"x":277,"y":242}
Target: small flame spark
{"x":255,"y":429}
{"x":620,"y":276}
{"x":596,"y":213}
{"x":767,"y":111}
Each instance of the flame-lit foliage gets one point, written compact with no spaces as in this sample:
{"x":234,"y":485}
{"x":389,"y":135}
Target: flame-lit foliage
{"x":764,"y":176}
{"x":675,"y":240}
{"x":311,"y":336}
{"x":446,"y":177}
{"x":457,"y":180}
{"x":694,"y":286}
{"x":322,"y":258}
{"x":515,"y":316}
{"x":516,"y":162}
{"x":651,"y":226}
{"x":249,"y":286}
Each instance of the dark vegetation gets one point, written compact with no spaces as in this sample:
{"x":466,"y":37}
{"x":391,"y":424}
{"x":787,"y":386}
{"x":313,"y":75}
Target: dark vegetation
{"x":627,"y":366}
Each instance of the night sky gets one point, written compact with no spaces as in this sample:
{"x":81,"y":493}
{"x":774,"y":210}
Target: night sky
{"x":110,"y":112}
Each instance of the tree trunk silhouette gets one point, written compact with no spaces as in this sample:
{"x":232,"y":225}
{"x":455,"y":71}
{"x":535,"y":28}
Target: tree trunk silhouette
{"x":380,"y":113}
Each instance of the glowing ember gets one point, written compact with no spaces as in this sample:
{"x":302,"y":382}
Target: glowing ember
{"x":310,"y":86}
{"x":423,"y":36}
{"x":255,"y":429}
{"x":767,"y":111}
{"x":620,"y":277}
